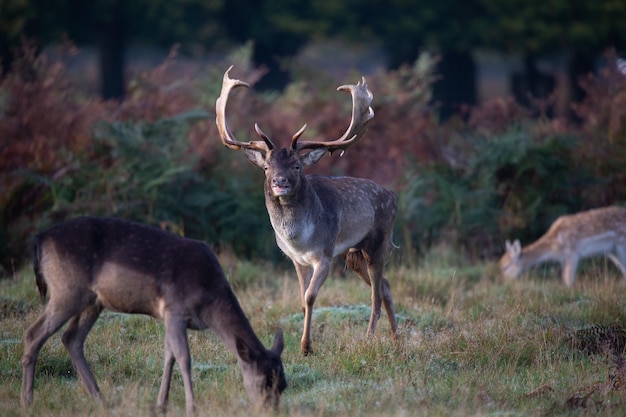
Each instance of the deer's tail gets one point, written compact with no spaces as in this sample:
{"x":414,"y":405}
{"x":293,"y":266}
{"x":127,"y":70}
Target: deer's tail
{"x":39,"y":278}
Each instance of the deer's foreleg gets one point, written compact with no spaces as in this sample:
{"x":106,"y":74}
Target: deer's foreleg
{"x":304,"y":273}
{"x":568,"y":274}
{"x":320,"y":273}
{"x":166,"y":378}
{"x":176,"y":345}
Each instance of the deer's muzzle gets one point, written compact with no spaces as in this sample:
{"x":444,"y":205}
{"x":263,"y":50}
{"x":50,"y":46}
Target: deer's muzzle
{"x":281,"y":186}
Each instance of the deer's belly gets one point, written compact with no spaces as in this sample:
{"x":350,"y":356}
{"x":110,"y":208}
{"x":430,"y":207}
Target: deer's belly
{"x":344,"y":245}
{"x":309,"y":251}
{"x":126,"y":290}
{"x":597,"y":245}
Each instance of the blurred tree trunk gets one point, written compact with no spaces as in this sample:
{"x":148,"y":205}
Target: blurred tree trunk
{"x":457,"y":86}
{"x":532,"y":84}
{"x":111,"y":45}
{"x":579,"y":65}
{"x":276,"y":78}
{"x":6,"y":55}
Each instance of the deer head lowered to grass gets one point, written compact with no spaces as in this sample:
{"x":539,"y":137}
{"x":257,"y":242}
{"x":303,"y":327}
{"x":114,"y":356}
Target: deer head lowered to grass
{"x":316,"y":218}
{"x":89,"y":264}
{"x":571,"y":238}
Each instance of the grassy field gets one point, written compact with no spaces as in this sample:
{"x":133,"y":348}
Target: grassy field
{"x":471,"y":345}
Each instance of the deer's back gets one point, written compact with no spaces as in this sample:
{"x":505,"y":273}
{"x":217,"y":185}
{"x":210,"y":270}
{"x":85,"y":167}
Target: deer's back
{"x":591,"y":222}
{"x":127,"y":266}
{"x":355,"y":195}
{"x":593,"y":230}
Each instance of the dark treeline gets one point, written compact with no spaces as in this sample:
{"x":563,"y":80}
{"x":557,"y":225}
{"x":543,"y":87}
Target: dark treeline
{"x":578,"y":30}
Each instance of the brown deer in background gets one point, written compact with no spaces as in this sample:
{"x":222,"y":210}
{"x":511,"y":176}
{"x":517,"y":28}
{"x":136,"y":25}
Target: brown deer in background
{"x":571,"y":238}
{"x":316,"y":218}
{"x":89,"y":264}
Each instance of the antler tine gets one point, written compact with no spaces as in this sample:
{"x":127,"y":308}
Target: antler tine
{"x":296,"y":136}
{"x":362,"y":113}
{"x":227,"y":137}
{"x":262,"y":135}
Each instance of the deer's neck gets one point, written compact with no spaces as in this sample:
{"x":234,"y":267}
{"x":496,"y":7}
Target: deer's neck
{"x":231,"y":324}
{"x":294,"y":217}
{"x":542,"y":250}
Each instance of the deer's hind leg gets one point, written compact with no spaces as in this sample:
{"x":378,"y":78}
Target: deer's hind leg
{"x":381,"y":290}
{"x":55,"y":315}
{"x":388,"y":303}
{"x":620,"y":259}
{"x":74,"y":341}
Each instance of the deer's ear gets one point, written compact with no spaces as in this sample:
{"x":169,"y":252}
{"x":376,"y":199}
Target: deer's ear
{"x":255,"y":157}
{"x":513,"y":249}
{"x":246,"y":353}
{"x":279,"y":342}
{"x":313,"y":156}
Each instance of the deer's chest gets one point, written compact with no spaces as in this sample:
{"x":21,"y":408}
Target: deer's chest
{"x":301,"y":239}
{"x":295,"y":234}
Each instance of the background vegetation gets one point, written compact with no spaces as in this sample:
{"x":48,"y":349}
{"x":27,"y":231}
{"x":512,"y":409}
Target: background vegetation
{"x":497,"y":171}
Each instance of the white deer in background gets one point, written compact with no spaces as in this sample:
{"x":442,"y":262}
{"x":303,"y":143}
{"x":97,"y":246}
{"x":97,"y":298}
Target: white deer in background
{"x":316,"y":218}
{"x":90,"y":263}
{"x":571,"y":238}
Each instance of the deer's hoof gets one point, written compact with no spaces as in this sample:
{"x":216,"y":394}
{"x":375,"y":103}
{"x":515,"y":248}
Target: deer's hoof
{"x":306,"y":350}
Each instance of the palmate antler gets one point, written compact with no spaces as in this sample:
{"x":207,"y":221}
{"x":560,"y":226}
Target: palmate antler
{"x":362,"y":113}
{"x":228,"y":139}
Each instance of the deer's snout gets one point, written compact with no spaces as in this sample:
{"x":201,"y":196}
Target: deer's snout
{"x":280,"y":185}
{"x":280,"y":181}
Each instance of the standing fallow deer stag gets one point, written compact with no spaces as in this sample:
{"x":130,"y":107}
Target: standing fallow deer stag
{"x":316,"y":218}
{"x":571,"y":238}
{"x":89,"y":264}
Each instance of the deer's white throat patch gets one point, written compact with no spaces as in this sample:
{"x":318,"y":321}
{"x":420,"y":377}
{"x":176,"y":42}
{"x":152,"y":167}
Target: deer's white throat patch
{"x":300,"y":234}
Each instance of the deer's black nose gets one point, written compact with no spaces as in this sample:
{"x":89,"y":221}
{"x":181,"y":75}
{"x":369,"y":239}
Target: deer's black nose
{"x":280,"y":181}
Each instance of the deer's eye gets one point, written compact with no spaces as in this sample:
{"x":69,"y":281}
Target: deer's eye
{"x":296,"y":167}
{"x":265,"y":167}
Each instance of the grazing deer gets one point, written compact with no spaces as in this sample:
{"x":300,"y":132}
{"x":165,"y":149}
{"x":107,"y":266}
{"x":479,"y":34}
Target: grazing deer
{"x":571,"y":238}
{"x":89,"y":264}
{"x":316,"y":218}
